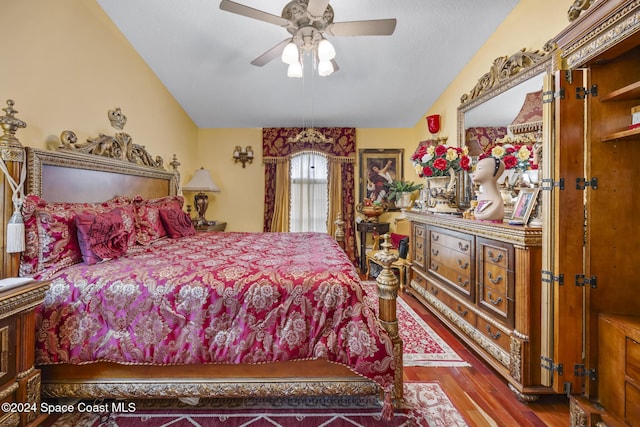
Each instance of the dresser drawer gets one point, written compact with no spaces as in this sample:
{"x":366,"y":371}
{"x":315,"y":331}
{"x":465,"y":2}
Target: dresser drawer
{"x":457,"y":280}
{"x":497,"y":304}
{"x":632,"y":359}
{"x":458,"y":242}
{"x":492,"y":254}
{"x":496,"y":278}
{"x":632,"y":405}
{"x":417,"y":243}
{"x":494,"y":334}
{"x":454,"y":260}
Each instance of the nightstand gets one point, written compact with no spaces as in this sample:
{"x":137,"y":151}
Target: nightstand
{"x":19,"y":380}
{"x":218,"y":226}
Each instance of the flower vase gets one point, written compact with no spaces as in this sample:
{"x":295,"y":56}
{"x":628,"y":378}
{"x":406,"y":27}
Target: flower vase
{"x":403,"y":203}
{"x":442,"y":190}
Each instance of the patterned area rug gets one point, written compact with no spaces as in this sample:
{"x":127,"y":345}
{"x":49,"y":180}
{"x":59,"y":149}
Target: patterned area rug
{"x":426,"y":404}
{"x":421,"y":345}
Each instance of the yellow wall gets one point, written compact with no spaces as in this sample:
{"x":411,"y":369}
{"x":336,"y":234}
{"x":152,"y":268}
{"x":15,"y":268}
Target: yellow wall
{"x":240,"y":201}
{"x":530,"y":25}
{"x":65,"y":64}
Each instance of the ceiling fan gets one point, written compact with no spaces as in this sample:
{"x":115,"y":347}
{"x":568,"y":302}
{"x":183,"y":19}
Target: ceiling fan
{"x":308,"y":21}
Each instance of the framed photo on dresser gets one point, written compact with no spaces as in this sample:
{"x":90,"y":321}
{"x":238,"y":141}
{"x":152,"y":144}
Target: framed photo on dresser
{"x":524,"y":205}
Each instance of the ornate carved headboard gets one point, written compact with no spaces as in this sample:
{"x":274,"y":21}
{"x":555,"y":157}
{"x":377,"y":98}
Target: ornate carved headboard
{"x":99,"y":169}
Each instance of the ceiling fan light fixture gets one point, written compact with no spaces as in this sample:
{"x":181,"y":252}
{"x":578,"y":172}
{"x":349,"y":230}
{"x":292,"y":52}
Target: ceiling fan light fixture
{"x":290,"y":54}
{"x":295,"y":70}
{"x":325,"y":68}
{"x":326,"y":52}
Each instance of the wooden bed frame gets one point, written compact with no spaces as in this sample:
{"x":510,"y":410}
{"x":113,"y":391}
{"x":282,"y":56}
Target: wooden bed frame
{"x":70,"y":174}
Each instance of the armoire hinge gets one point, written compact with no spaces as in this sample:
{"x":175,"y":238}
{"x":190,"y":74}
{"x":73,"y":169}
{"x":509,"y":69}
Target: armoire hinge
{"x":549,"y":95}
{"x":549,"y":184}
{"x":548,"y":364}
{"x":582,"y":280}
{"x":582,"y":183}
{"x":548,"y":277}
{"x":580,"y":371}
{"x":582,"y":92}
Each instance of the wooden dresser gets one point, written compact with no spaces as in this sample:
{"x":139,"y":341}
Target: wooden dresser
{"x":19,"y":380}
{"x":483,"y":280}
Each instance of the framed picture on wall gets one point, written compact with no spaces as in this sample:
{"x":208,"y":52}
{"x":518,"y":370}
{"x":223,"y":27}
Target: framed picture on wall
{"x":377,"y":167}
{"x":525,"y":203}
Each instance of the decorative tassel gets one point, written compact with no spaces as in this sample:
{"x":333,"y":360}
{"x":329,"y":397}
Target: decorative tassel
{"x":15,"y":233}
{"x":387,"y":407}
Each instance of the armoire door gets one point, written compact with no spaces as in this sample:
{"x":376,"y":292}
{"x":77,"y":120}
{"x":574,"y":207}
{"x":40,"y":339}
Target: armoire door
{"x":566,"y":234}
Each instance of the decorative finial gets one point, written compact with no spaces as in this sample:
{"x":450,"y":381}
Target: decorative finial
{"x":117,"y":119}
{"x":10,"y":124}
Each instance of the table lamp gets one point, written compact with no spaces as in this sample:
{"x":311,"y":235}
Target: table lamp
{"x":201,"y":182}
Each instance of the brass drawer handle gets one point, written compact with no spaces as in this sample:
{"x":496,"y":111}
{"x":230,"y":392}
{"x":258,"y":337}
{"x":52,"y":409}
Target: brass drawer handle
{"x":496,"y":280}
{"x":435,"y":237}
{"x":495,"y":336}
{"x":434,"y":291}
{"x":463,"y":265}
{"x":461,"y":283}
{"x":493,"y":301}
{"x":463,"y":247}
{"x":462,"y":313}
{"x":495,"y":259}
{"x":435,"y":252}
{"x":434,"y":267}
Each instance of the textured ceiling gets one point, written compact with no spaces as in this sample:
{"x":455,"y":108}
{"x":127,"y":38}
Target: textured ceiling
{"x":202,"y":55}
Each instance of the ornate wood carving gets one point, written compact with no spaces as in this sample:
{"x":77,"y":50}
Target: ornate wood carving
{"x":504,"y":68}
{"x":147,"y":388}
{"x":120,"y":146}
{"x":577,"y":8}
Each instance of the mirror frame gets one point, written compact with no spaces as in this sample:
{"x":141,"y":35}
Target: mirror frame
{"x":505,"y":73}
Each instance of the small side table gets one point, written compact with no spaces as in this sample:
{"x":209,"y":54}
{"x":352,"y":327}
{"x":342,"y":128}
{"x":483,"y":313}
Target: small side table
{"x":364,"y":228}
{"x":218,"y":226}
{"x":18,"y":378}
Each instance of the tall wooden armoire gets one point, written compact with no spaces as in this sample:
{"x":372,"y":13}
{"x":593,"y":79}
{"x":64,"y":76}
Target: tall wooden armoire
{"x":594,"y":266}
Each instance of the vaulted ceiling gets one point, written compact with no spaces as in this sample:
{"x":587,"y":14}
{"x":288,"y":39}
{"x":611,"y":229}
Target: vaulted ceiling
{"x":202,"y":55}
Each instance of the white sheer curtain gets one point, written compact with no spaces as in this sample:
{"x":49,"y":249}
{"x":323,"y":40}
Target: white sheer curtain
{"x":309,"y":203}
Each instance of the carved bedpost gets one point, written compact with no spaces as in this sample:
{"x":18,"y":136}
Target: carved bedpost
{"x":339,"y":234}
{"x":13,"y":154}
{"x":387,"y":300}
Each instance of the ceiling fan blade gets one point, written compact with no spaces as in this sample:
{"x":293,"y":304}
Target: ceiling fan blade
{"x":317,"y":7}
{"x":250,"y":12}
{"x":377,"y":27}
{"x":271,"y":54}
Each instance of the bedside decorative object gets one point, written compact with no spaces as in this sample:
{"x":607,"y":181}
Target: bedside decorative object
{"x":371,"y":210}
{"x":243,"y":155}
{"x":201,"y":182}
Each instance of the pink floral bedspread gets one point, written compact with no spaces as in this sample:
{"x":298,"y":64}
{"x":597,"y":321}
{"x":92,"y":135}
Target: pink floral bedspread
{"x":216,"y":298}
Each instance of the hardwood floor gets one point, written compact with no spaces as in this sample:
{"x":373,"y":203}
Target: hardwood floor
{"x":482,"y":397}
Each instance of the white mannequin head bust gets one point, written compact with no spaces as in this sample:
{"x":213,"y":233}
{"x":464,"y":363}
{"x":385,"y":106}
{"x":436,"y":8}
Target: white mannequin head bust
{"x":490,"y":205}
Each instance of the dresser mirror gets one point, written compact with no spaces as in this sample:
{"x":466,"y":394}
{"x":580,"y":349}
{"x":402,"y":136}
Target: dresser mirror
{"x":497,"y":101}
{"x":489,"y":110}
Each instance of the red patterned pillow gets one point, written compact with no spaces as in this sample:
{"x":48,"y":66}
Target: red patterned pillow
{"x":101,"y":236}
{"x":177,"y":223}
{"x":51,"y":232}
{"x":395,"y":239}
{"x":149,"y":226}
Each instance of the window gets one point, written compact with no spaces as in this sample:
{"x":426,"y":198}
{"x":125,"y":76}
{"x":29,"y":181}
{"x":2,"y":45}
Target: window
{"x":309,"y":192}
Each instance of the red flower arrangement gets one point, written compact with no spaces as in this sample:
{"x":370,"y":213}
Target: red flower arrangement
{"x":436,"y":160}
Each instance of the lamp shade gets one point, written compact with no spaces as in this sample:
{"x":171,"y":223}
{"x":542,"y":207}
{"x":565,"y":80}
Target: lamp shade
{"x":201,"y":181}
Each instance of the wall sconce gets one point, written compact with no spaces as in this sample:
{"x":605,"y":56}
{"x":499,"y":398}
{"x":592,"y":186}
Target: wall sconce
{"x":243,"y":155}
